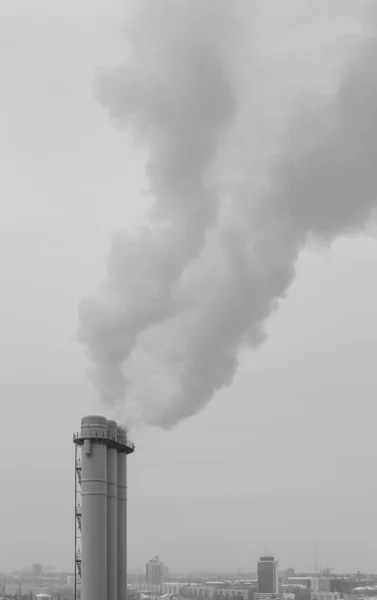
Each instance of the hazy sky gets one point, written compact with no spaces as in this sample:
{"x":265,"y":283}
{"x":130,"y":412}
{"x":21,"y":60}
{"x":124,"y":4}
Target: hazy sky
{"x":285,"y":458}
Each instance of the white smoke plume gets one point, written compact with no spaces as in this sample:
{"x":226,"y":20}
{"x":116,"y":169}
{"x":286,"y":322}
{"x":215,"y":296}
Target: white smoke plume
{"x":184,"y":296}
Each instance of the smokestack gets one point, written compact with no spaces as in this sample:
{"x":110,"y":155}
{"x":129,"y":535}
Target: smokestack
{"x":112,"y":513}
{"x":122,"y":515}
{"x":104,"y":449}
{"x":94,"y":508}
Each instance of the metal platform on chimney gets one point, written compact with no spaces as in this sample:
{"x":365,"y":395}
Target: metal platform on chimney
{"x":111,"y":439}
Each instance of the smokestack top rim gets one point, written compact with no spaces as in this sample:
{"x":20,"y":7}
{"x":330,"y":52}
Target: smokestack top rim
{"x":112,"y":426}
{"x":94,"y":420}
{"x":96,"y":428}
{"x":122,"y":436}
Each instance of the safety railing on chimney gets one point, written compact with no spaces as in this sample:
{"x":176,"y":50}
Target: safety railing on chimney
{"x":105,"y":435}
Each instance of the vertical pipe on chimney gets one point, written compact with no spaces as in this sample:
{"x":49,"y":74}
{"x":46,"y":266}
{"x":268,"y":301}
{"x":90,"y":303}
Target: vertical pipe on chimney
{"x":94,"y":508}
{"x":122,"y":518}
{"x":112,"y":513}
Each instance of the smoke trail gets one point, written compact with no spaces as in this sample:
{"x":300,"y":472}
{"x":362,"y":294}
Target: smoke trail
{"x":201,"y":307}
{"x":176,"y":93}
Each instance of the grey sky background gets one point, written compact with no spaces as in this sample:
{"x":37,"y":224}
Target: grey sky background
{"x":284,"y":458}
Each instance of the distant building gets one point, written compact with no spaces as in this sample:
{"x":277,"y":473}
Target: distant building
{"x":12,"y":589}
{"x":326,"y":596}
{"x":155,"y":571}
{"x":300,"y":581}
{"x":268,"y":575}
{"x":270,"y":596}
{"x":324,"y":584}
{"x":290,"y":572}
{"x":195,"y":591}
{"x":299,"y":592}
{"x":340,"y":585}
{"x":37,"y":570}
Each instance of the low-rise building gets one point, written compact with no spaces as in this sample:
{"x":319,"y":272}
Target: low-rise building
{"x":309,"y":582}
{"x":197,"y":591}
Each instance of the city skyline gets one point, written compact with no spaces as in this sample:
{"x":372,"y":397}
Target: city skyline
{"x":210,"y":586}
{"x":39,"y":570}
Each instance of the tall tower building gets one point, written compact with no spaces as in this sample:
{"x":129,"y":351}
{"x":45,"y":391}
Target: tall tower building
{"x":268,"y":575}
{"x":37,"y":570}
{"x":155,"y":571}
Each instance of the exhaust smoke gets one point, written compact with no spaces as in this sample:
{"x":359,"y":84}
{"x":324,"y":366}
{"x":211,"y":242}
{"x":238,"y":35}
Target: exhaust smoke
{"x":185,"y":295}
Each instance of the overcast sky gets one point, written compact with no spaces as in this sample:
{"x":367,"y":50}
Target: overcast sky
{"x":285,"y":458}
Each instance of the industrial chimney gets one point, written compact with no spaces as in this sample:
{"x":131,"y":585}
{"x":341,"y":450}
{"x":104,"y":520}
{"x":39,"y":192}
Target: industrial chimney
{"x":101,"y":510}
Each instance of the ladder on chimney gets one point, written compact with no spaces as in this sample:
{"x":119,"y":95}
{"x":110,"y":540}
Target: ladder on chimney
{"x":77,"y":590}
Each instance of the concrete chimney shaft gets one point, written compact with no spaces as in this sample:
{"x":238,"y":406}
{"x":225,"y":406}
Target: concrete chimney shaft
{"x":104,"y":449}
{"x":112,"y":513}
{"x":122,"y":518}
{"x":94,"y":508}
